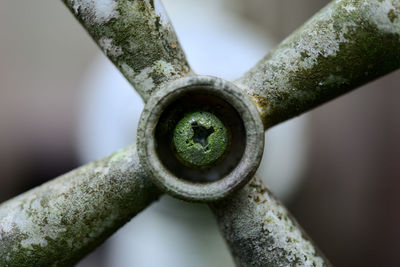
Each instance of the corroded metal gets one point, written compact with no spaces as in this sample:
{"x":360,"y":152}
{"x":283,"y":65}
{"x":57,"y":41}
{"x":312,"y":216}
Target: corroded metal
{"x":261,"y":232}
{"x":137,"y":37}
{"x":59,"y":222}
{"x":166,"y":108}
{"x":346,"y":44}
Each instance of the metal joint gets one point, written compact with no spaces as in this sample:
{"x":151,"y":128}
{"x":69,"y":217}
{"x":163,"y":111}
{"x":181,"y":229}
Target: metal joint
{"x":226,"y":157}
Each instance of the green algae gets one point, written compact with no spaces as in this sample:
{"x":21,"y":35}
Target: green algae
{"x":200,"y":139}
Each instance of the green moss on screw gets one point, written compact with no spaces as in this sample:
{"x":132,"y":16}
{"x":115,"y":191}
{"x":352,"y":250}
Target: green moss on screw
{"x":200,"y":139}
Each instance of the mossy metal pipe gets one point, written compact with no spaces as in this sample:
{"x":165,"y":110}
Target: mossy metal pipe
{"x":137,"y":37}
{"x":261,"y":232}
{"x":60,"y":222}
{"x":346,"y":44}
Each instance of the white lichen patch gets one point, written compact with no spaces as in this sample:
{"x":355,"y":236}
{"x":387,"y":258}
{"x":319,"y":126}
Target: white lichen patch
{"x":275,"y":83}
{"x":164,"y":68}
{"x":284,"y":234}
{"x":298,"y":52}
{"x":26,"y":217}
{"x":76,"y":209}
{"x":349,"y":7}
{"x":109,"y":48}
{"x":95,"y":11}
{"x":144,"y":82}
{"x":261,"y":232}
{"x":318,"y":38}
{"x":127,"y":71}
{"x":160,"y":11}
{"x":102,"y":170}
{"x":378,"y":13}
{"x":137,"y":37}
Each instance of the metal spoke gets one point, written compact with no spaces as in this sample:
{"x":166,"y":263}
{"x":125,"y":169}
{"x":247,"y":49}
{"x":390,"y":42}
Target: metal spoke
{"x":261,"y":232}
{"x":346,"y":44}
{"x":61,"y":221}
{"x":137,"y":37}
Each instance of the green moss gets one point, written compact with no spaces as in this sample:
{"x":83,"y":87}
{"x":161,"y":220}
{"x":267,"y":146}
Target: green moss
{"x":143,"y":41}
{"x":60,"y":222}
{"x":366,"y":55}
{"x":359,"y":53}
{"x":392,"y":15}
{"x":304,"y":55}
{"x":200,"y":139}
{"x":262,"y":232}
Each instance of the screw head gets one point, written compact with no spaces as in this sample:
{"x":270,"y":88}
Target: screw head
{"x":200,"y":139}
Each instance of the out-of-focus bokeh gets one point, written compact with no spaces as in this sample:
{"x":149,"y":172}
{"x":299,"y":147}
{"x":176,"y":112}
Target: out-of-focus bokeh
{"x":43,"y":56}
{"x":347,"y":199}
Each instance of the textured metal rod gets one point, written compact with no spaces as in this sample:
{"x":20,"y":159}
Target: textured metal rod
{"x":261,"y":232}
{"x":346,"y":44}
{"x":137,"y":37}
{"x":60,"y":222}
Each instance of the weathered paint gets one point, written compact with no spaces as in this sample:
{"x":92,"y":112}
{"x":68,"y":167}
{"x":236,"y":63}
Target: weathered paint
{"x":200,"y":139}
{"x":59,"y":222}
{"x":346,"y":44}
{"x":137,"y":37}
{"x":261,"y":232}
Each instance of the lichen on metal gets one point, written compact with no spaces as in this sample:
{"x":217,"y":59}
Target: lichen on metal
{"x":59,"y":222}
{"x":346,"y":44}
{"x":200,"y":139}
{"x":261,"y":232}
{"x":137,"y":37}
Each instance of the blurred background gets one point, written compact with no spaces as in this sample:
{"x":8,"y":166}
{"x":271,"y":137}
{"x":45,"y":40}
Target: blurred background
{"x":63,"y":104}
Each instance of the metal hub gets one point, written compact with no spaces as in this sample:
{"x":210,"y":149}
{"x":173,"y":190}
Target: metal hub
{"x":200,"y":138}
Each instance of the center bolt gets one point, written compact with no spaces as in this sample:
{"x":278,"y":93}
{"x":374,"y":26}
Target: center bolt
{"x":200,"y":139}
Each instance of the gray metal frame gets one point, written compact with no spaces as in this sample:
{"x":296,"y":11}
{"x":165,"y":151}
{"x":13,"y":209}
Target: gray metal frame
{"x":345,"y":45}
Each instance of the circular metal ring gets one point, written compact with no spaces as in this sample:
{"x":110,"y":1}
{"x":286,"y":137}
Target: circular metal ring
{"x":238,"y":172}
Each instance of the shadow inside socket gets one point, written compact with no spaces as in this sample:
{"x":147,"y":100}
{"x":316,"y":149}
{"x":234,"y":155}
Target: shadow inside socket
{"x":206,"y":103}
